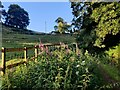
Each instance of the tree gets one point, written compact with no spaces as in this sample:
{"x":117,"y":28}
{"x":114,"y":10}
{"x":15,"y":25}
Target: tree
{"x":107,"y":17}
{"x":59,"y":19}
{"x":60,"y":22}
{"x":1,"y":6}
{"x":100,"y":27}
{"x":82,"y":23}
{"x":1,"y":11}
{"x":62,"y":26}
{"x":78,"y":12}
{"x":17,"y":17}
{"x":4,"y":15}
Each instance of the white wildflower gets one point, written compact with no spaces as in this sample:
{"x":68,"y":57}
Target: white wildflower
{"x":83,"y":63}
{"x":87,"y":70}
{"x":77,"y":72}
{"x":78,"y":66}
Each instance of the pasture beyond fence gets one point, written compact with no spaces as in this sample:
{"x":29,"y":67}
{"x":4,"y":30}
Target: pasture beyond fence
{"x":25,"y":58}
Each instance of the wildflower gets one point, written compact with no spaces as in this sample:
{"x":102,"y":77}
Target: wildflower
{"x":67,"y":49}
{"x":46,"y":50}
{"x":86,"y":52}
{"x":41,"y":46}
{"x":86,"y":70}
{"x":77,"y":72}
{"x":78,"y":66}
{"x":83,"y":63}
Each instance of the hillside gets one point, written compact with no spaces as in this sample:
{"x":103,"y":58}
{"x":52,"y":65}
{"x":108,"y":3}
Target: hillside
{"x":13,"y":37}
{"x":13,"y":30}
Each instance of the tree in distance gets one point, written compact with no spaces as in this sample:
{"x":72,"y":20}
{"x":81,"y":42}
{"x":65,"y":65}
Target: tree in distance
{"x":62,"y":26}
{"x":17,"y":17}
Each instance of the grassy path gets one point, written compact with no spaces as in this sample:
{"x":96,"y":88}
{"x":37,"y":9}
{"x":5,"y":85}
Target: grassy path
{"x":110,"y":82}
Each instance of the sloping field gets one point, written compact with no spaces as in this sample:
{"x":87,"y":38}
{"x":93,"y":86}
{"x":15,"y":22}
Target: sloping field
{"x":12,"y":37}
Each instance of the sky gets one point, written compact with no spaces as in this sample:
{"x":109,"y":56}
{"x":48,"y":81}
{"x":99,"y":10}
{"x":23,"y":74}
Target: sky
{"x":44,"y":12}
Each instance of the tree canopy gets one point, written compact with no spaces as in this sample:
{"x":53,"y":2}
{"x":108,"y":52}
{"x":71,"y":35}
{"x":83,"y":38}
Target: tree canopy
{"x":1,"y":6}
{"x":98,"y":22}
{"x":62,"y":26}
{"x":107,"y":17}
{"x":17,"y":17}
{"x":59,"y":19}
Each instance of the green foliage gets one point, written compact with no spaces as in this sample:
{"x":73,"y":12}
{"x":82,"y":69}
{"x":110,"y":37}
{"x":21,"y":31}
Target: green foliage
{"x":78,"y":10}
{"x":1,"y":4}
{"x":62,"y":27}
{"x":83,"y":23}
{"x":17,"y":17}
{"x":58,"y":70}
{"x":99,"y":28}
{"x":2,"y":12}
{"x":107,"y":16}
{"x":59,"y":19}
{"x":113,"y":52}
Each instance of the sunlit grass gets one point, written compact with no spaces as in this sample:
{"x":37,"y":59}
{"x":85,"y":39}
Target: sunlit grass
{"x":13,"y":61}
{"x":112,"y":71}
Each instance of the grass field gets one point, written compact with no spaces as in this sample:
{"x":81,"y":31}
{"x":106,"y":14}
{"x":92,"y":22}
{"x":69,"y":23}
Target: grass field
{"x":12,"y":37}
{"x":18,"y":38}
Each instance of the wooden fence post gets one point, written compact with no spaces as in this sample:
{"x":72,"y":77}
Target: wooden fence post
{"x":77,"y":50}
{"x":60,"y":46}
{"x":3,"y":60}
{"x":36,"y":53}
{"x":25,"y":54}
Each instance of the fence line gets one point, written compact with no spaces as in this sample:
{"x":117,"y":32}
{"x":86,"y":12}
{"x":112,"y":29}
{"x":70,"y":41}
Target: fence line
{"x":25,"y":50}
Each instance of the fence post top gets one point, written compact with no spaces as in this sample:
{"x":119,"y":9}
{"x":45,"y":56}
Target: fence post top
{"x":3,"y":48}
{"x":25,"y":48}
{"x":36,"y":46}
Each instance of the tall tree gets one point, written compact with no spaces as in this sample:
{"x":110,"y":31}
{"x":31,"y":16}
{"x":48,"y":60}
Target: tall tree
{"x":107,"y":17}
{"x":1,"y":6}
{"x":62,"y":26}
{"x":100,"y":26}
{"x":17,"y":17}
{"x":59,"y":19}
{"x":79,"y":11}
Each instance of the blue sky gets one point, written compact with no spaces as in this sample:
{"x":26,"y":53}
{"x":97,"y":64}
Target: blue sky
{"x":41,"y":12}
